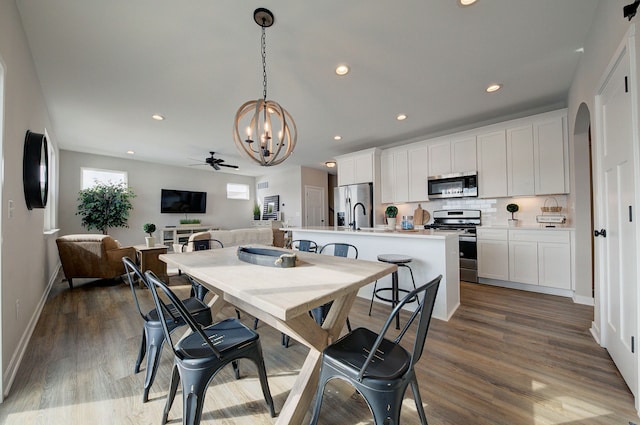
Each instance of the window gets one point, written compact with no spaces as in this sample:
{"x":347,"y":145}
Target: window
{"x":237,"y":191}
{"x":91,"y":176}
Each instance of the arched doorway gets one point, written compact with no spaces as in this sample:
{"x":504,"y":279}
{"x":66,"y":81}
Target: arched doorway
{"x":583,"y":192}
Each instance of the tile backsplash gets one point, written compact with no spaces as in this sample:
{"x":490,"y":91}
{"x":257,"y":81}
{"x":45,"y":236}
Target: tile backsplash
{"x":494,"y":211}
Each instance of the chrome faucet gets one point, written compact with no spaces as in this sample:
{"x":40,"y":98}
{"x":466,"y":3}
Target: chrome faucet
{"x":364,"y":211}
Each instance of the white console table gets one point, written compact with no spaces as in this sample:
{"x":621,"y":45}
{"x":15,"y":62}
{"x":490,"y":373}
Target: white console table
{"x":180,"y":234}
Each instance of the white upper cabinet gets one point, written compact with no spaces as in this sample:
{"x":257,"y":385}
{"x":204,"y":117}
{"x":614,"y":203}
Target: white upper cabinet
{"x":356,"y":168}
{"x":346,"y":170}
{"x":394,"y":175}
{"x":387,"y":177}
{"x":363,"y":168}
{"x":550,"y":153}
{"x":439,"y":154}
{"x":492,"y":164}
{"x":455,"y":155}
{"x":520,"y":170}
{"x":417,"y":157}
{"x":463,"y":154}
{"x":401,"y":168}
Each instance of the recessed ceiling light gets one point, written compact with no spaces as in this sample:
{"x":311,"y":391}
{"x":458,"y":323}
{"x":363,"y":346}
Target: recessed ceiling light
{"x":131,"y":152}
{"x":580,"y":50}
{"x":342,"y":70}
{"x":330,"y":164}
{"x":465,"y":3}
{"x":493,"y":88}
{"x":401,"y":117}
{"x":157,"y":117}
{"x":337,"y":137}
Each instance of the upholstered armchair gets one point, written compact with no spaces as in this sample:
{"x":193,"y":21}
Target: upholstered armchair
{"x":92,"y":256}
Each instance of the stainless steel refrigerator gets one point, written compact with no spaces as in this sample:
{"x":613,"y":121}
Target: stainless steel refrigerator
{"x":347,"y":208}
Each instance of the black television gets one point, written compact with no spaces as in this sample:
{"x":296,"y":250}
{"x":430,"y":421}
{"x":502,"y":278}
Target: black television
{"x":183,"y":202}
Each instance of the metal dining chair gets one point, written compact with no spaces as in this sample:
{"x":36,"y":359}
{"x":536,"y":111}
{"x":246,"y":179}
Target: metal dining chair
{"x":152,"y":336}
{"x":199,"y":356}
{"x":304,"y":245}
{"x":197,"y":289}
{"x":338,"y":250}
{"x":379,"y":368}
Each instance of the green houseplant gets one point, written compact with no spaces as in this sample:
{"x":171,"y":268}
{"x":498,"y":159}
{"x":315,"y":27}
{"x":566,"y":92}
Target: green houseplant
{"x":391,"y":212}
{"x":149,"y":228}
{"x":256,"y":211}
{"x":513,"y":208}
{"x":105,"y":205}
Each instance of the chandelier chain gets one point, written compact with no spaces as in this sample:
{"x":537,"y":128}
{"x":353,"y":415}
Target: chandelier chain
{"x":264,"y":63}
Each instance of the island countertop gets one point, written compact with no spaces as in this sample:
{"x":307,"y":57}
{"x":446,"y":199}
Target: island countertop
{"x":433,"y":252}
{"x":416,"y":233}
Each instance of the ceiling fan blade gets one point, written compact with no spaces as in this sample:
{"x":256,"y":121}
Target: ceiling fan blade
{"x":227,"y":165}
{"x":215,"y":166}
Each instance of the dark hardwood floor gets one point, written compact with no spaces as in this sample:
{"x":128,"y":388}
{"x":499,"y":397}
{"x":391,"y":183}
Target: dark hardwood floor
{"x":506,"y":357}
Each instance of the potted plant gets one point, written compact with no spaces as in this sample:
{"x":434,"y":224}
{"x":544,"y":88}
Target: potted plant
{"x":189,"y":221}
{"x":256,"y":211}
{"x":513,"y":208}
{"x":149,"y":228}
{"x":391,"y":212}
{"x":105,"y":205}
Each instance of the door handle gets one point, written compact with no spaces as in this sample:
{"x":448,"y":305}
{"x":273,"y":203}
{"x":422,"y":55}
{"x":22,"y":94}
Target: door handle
{"x":601,"y":232}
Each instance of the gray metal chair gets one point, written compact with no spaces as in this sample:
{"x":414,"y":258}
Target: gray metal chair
{"x":197,"y":289}
{"x":202,"y":354}
{"x":381,"y":369}
{"x":153,"y":337}
{"x":338,"y":250}
{"x":304,"y":245}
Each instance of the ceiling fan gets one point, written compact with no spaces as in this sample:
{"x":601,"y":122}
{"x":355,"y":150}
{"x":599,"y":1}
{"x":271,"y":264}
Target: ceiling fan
{"x":216,"y":163}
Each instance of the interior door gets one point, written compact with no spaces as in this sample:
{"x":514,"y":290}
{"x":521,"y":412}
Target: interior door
{"x":314,"y":206}
{"x":616,"y":248}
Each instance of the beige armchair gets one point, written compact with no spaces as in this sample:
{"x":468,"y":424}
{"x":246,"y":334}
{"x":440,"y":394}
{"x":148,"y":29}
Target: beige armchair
{"x":98,"y":256}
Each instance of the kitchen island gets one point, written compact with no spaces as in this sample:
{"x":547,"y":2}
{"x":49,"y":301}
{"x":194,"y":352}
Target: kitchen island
{"x":433,"y":253}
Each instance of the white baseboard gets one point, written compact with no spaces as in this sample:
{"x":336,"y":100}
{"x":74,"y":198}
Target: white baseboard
{"x":10,"y":374}
{"x":579,"y":299}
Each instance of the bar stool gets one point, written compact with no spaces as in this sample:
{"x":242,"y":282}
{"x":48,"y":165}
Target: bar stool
{"x":400,"y":261}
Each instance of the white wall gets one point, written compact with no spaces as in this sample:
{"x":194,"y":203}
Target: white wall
{"x":146,"y":179}
{"x":28,"y":258}
{"x":286,"y":183}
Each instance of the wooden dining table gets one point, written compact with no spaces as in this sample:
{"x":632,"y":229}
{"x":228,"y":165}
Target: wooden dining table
{"x":282,"y":298}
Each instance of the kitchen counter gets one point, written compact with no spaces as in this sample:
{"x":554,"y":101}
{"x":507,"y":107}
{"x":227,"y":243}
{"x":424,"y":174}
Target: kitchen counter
{"x":434,"y":252}
{"x":418,"y":233}
{"x":523,"y":227}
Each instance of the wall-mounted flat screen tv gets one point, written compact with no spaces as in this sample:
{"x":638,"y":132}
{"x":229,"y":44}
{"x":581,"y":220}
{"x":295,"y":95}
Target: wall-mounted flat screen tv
{"x":183,"y":201}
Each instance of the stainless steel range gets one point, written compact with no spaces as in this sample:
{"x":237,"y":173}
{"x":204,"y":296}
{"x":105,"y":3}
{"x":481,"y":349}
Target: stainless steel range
{"x":465,"y":221}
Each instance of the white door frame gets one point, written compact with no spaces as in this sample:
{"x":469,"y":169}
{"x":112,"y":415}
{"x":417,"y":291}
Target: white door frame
{"x":3,"y":69}
{"x":599,"y":330}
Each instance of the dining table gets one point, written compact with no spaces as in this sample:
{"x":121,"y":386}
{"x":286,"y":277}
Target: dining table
{"x":282,"y":298}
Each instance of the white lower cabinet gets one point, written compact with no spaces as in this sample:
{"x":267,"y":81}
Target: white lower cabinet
{"x":533,"y":257}
{"x":554,"y":265}
{"x":493,"y":254}
{"x":523,"y":262}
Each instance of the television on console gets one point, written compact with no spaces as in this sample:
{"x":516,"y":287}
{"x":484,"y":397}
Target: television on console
{"x":183,"y":202}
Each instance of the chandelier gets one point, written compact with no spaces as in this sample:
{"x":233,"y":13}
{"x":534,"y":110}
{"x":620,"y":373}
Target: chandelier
{"x":269,"y":129}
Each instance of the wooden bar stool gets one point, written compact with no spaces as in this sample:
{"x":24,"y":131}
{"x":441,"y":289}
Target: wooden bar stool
{"x":400,"y":261}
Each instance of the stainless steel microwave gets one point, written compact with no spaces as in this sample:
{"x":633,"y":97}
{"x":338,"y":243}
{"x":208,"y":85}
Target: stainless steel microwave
{"x":456,"y":185}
